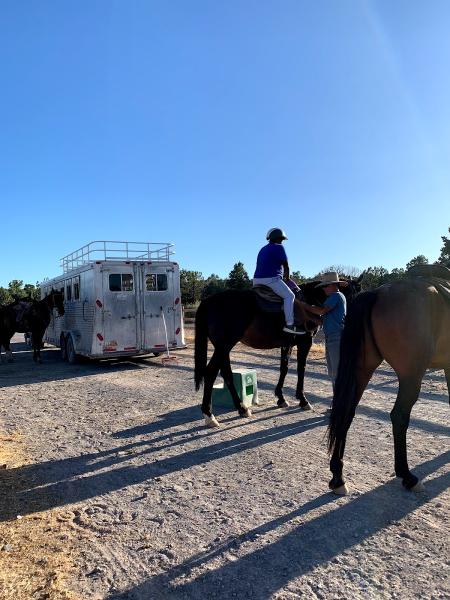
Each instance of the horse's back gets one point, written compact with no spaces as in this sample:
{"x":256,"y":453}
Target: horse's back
{"x":411,"y":325}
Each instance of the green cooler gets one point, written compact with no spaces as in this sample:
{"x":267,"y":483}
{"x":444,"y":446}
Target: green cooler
{"x":246,"y":386}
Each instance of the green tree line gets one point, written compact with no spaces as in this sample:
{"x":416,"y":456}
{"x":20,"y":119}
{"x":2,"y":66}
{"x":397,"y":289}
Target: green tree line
{"x":195,"y":287}
{"x":17,"y":289}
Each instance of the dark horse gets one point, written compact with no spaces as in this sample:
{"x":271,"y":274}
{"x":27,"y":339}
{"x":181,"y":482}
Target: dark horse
{"x":34,"y":318}
{"x":407,"y":324}
{"x":236,"y":315}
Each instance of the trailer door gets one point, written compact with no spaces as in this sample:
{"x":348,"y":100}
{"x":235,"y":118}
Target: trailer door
{"x":120,"y":322}
{"x":158,"y":302}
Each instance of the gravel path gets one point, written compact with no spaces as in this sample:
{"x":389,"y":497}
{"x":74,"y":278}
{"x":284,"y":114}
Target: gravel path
{"x":158,"y":507}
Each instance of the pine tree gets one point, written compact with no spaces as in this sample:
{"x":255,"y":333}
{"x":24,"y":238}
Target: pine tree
{"x":238,"y":278}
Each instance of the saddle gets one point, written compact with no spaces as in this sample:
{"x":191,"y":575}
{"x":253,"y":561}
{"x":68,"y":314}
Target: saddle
{"x":267,"y":300}
{"x":270,"y":302}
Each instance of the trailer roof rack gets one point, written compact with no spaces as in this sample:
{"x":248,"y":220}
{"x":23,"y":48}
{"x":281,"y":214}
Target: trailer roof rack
{"x":105,"y":250}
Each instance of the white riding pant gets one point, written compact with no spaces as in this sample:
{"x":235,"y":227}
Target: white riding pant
{"x":281,"y":289}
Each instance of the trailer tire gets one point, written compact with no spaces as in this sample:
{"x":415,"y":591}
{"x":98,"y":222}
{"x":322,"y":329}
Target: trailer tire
{"x":72,"y":357}
{"x":63,"y":347}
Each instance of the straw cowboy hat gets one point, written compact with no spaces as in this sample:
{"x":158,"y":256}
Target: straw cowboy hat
{"x":327,"y":278}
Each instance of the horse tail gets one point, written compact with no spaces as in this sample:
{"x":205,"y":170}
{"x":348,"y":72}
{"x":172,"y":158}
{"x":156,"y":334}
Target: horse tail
{"x":201,"y":343}
{"x":345,"y":399}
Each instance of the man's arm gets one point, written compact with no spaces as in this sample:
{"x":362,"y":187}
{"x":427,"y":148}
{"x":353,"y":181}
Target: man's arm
{"x":319,"y":310}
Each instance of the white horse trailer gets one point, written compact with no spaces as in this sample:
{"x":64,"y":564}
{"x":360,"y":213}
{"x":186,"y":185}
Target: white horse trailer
{"x":120,"y":299}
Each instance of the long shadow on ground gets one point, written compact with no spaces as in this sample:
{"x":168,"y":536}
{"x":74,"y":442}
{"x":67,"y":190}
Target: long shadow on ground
{"x":61,"y":482}
{"x":296,"y":553}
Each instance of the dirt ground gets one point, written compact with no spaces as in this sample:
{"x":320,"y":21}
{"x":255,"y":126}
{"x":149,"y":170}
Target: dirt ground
{"x":112,"y":488}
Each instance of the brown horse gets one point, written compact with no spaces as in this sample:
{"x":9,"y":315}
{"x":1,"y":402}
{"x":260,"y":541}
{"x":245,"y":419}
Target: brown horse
{"x":236,"y":315}
{"x":406,"y":323}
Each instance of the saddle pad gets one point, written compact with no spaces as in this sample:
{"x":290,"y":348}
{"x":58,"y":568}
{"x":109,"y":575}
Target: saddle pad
{"x":267,"y":300}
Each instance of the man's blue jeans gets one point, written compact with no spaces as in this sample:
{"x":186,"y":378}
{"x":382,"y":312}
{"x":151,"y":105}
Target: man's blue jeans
{"x":332,"y":348}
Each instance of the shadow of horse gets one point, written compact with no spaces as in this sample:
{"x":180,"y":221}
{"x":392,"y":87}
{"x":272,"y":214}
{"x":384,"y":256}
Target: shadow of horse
{"x":303,"y":548}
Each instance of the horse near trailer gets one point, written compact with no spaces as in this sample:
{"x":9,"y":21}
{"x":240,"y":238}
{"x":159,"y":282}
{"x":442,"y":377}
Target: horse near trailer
{"x":406,"y":323}
{"x":243,"y":315}
{"x":29,"y":316}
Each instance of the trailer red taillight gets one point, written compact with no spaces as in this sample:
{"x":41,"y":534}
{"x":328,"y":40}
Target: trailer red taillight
{"x":177,"y":300}
{"x":98,"y":303}
{"x":100,"y":337}
{"x":177,"y":331}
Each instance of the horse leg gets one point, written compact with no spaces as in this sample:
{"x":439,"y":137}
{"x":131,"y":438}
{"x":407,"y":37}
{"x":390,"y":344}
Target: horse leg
{"x":9,"y":354}
{"x":227,"y":375}
{"x":447,"y":377}
{"x":210,"y":376}
{"x":408,"y":392}
{"x":337,"y":483}
{"x":303,"y":348}
{"x":284,"y":364}
{"x":37,"y":344}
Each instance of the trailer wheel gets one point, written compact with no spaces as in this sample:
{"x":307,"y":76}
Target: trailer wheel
{"x":156,"y":353}
{"x":63,"y":347}
{"x":72,"y":357}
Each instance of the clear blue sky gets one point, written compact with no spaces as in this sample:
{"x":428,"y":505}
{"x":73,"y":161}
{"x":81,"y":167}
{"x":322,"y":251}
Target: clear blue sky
{"x":206,"y":123}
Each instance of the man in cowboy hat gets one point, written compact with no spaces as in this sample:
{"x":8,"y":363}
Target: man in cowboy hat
{"x":333,"y":311}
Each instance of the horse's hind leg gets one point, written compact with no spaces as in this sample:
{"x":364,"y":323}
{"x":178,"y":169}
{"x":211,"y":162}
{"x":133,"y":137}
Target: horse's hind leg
{"x":227,"y":375}
{"x":408,"y":392}
{"x":363,"y":376}
{"x":447,"y":377}
{"x":211,"y":372}
{"x":9,"y":354}
{"x":303,"y":348}
{"x":284,"y":365}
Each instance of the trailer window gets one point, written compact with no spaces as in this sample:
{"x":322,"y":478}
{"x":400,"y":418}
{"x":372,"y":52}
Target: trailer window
{"x":76,"y":288}
{"x":69,"y":290}
{"x":156,"y":282}
{"x":121,"y":282}
{"x":162,"y":282}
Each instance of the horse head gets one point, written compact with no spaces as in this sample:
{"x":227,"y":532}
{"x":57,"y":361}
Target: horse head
{"x":352,"y":289}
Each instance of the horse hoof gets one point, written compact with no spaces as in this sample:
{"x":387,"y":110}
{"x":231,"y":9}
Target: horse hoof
{"x":341,"y":490}
{"x":246,"y":413}
{"x":283,"y":404}
{"x":211,"y":421}
{"x":419,"y":487}
{"x":306,"y":406}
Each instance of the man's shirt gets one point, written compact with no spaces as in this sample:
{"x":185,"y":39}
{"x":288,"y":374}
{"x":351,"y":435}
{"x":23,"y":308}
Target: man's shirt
{"x":333,"y":320}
